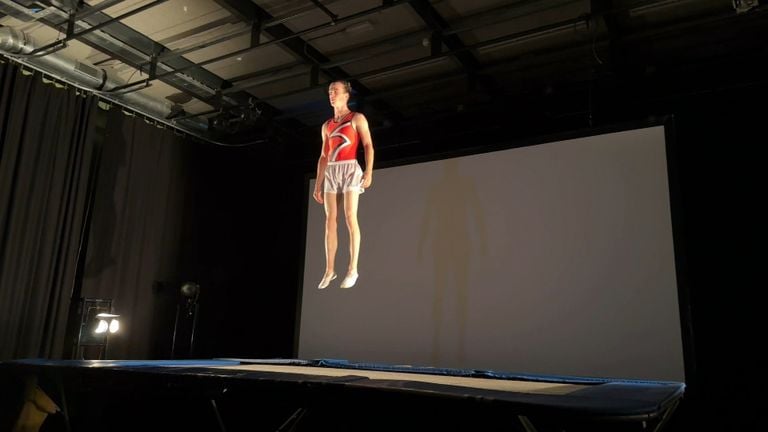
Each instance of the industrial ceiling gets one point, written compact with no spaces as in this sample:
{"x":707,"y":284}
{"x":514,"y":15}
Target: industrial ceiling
{"x":250,"y":71}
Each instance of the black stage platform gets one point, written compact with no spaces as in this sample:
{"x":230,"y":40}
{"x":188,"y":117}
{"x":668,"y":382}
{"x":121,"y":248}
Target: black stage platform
{"x":238,"y":394}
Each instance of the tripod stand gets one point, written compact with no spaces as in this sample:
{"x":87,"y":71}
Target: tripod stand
{"x":186,"y":309}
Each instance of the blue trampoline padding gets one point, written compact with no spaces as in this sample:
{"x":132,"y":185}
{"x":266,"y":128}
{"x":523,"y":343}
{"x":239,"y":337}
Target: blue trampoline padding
{"x":275,"y":361}
{"x":126,"y":363}
{"x":599,"y":398}
{"x":478,"y":373}
{"x":339,"y":364}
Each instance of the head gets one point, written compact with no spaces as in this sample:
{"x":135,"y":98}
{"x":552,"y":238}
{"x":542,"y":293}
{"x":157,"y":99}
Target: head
{"x":338,"y":93}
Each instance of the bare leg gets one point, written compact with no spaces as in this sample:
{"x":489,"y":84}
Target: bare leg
{"x":331,"y":236}
{"x":350,"y":215}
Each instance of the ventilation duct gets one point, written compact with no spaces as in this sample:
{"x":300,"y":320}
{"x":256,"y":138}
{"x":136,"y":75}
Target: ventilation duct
{"x":16,"y":44}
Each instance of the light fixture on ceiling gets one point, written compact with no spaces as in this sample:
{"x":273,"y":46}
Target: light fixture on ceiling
{"x":235,"y":118}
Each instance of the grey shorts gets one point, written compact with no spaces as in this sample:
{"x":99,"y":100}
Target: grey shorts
{"x":344,"y":176}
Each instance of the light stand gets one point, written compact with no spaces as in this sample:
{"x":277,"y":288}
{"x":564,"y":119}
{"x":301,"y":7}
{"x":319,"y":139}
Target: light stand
{"x":190,"y":293}
{"x":96,"y":323}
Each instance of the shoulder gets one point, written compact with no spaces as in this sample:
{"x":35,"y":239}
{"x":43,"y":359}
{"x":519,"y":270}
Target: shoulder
{"x":359,"y":119}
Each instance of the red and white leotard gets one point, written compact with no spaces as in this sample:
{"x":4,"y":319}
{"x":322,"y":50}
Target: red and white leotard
{"x":341,"y":144}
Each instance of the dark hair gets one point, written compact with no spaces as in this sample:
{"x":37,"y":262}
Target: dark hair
{"x":345,"y":83}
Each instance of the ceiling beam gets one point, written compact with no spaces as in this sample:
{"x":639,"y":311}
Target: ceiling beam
{"x":442,"y":34}
{"x":245,"y":10}
{"x":467,"y":23}
{"x":305,"y":52}
{"x":439,"y":27}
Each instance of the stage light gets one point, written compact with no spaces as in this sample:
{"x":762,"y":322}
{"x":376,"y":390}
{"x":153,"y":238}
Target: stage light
{"x":190,"y":290}
{"x":97,"y":322}
{"x":101,"y":327}
{"x":186,"y":311}
{"x":107,"y":322}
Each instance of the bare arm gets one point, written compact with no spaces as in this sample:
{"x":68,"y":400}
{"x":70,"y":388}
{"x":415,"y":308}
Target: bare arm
{"x":361,"y":125}
{"x":321,"y":164}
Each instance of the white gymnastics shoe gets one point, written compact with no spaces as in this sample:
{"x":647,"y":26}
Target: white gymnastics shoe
{"x":326,"y":280}
{"x":349,"y":281}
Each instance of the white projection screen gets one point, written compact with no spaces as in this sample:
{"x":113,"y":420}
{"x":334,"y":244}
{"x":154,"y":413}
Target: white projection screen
{"x":554,"y":258}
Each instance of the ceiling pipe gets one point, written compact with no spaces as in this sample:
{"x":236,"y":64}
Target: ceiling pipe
{"x":105,"y":42}
{"x":88,"y":77}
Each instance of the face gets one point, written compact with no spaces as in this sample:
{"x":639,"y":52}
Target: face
{"x":338,"y":95}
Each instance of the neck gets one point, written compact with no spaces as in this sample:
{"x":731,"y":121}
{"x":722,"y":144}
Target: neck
{"x":339,"y":112}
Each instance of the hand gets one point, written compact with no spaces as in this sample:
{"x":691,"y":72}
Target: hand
{"x":367,"y":179}
{"x":318,"y":195}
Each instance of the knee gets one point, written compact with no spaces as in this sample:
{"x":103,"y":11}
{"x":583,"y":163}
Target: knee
{"x":350,"y":216}
{"x":330,"y":223}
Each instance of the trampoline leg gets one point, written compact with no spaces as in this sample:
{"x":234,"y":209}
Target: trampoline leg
{"x":64,"y":406}
{"x":293,"y":420}
{"x":218,"y":416}
{"x":527,"y":425}
{"x":666,"y":416}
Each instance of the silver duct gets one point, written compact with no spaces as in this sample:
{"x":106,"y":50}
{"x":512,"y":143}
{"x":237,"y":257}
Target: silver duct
{"x":14,"y":42}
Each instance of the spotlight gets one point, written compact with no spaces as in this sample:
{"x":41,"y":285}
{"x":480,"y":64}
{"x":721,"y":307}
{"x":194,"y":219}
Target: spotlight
{"x":107,"y":322}
{"x":97,"y":322}
{"x":102,"y":327}
{"x":190,"y":290}
{"x":234,"y":119}
{"x":186,"y":311}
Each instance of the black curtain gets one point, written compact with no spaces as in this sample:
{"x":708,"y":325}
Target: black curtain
{"x":144,"y":210}
{"x":248,"y":231}
{"x":49,"y":146}
{"x":141,"y":245}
